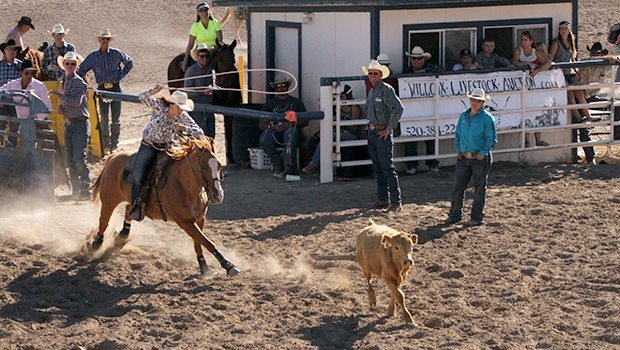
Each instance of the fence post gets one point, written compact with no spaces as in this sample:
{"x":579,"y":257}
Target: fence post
{"x":327,"y":144}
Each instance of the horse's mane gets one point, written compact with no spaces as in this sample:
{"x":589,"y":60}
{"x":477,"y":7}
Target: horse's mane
{"x":187,"y":144}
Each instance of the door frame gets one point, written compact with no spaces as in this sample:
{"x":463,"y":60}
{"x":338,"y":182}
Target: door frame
{"x":270,"y":46}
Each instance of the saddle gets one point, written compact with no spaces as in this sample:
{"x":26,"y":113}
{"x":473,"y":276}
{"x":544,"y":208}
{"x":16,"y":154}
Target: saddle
{"x":157,"y":175}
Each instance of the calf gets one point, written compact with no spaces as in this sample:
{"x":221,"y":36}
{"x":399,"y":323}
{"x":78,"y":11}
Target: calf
{"x":385,"y":252}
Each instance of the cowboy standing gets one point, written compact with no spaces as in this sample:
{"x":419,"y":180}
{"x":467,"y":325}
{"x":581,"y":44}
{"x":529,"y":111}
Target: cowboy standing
{"x":17,"y":33}
{"x":59,"y":48}
{"x":198,"y":88}
{"x":110,"y":66}
{"x":74,"y":106}
{"x":384,"y":112}
{"x":10,"y":65}
{"x":475,"y":137}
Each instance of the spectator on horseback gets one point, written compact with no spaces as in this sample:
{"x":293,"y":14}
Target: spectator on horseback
{"x":197,"y":84}
{"x":169,"y":117}
{"x":17,"y":33}
{"x":10,"y":65}
{"x":110,"y":66}
{"x":206,"y":30}
{"x":283,"y":133}
{"x":74,"y":106}
{"x":59,"y":48}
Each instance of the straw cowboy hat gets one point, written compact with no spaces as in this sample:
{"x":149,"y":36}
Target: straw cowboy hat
{"x":69,"y":56}
{"x":383,"y":58}
{"x":374,"y":64}
{"x":27,"y":21}
{"x":201,"y":47}
{"x":106,"y":33}
{"x":417,"y":52}
{"x":478,"y":94}
{"x":58,"y":29}
{"x":180,"y":99}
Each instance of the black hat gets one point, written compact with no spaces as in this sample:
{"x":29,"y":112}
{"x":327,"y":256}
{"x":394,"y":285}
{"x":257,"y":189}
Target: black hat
{"x":347,"y":90}
{"x":597,"y":48}
{"x":9,"y":43}
{"x":27,"y":21}
{"x":466,"y":52}
{"x":27,"y":64}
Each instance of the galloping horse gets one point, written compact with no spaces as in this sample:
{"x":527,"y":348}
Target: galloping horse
{"x":181,"y":198}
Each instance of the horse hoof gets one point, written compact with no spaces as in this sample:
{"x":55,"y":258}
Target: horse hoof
{"x":233,"y":271}
{"x":207,"y":274}
{"x":96,"y":244}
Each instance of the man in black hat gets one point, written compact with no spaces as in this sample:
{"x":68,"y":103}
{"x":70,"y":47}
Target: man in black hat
{"x":9,"y":65}
{"x":16,"y":33}
{"x":466,"y":59}
{"x":596,"y":74}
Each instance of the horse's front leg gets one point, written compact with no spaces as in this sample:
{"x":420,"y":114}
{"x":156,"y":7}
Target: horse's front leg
{"x":193,"y":229}
{"x":122,"y":237}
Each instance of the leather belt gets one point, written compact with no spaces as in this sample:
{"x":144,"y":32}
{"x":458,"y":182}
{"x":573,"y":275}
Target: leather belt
{"x":470,"y":155}
{"x":377,"y":127}
{"x":107,"y":85}
{"x":70,"y":121}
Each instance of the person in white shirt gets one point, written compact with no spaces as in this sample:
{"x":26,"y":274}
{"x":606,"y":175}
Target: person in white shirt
{"x":29,"y":83}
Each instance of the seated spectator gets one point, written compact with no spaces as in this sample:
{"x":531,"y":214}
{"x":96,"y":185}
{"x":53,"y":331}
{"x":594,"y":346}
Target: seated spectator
{"x":488,"y":58}
{"x":542,"y":63}
{"x":418,"y":59}
{"x":58,"y":48}
{"x":384,"y":59}
{"x":525,"y":54}
{"x":281,"y":134}
{"x":466,"y":59}
{"x":347,"y":133}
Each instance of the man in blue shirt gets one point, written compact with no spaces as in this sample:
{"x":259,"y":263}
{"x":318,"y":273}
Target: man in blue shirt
{"x":110,"y":66}
{"x":475,"y":137}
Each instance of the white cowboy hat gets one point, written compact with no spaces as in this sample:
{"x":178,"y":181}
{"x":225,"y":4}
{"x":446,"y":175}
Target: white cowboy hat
{"x":383,"y":58}
{"x":58,"y":29}
{"x":200,"y":47}
{"x":374,"y":64}
{"x":69,"y":56}
{"x":418,"y":52}
{"x":106,"y":33}
{"x":280,"y":79}
{"x":478,"y":94}
{"x":180,"y":99}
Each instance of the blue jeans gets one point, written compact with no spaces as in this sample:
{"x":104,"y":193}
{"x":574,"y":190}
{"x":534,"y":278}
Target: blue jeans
{"x":478,"y":172}
{"x":76,"y":141}
{"x":584,"y":136}
{"x":144,"y":158}
{"x":289,"y":138}
{"x":381,"y":153}
{"x":314,"y":144}
{"x":206,"y":121}
{"x":110,"y":133}
{"x":411,"y":149}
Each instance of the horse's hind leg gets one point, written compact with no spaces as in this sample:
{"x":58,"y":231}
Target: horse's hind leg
{"x":193,"y":229}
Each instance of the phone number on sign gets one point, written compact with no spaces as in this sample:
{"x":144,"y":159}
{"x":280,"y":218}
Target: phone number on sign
{"x":429,"y":130}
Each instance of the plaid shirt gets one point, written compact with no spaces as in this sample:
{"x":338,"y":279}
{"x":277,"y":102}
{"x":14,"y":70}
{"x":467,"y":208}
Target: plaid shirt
{"x":9,"y":71}
{"x":384,"y":107}
{"x":107,"y":65}
{"x":74,"y":102}
{"x":50,"y":65}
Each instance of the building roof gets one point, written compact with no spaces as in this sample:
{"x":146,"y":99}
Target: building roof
{"x":387,"y":4}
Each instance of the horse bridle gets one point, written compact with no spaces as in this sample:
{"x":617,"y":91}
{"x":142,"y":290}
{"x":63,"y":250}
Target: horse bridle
{"x":202,"y":170}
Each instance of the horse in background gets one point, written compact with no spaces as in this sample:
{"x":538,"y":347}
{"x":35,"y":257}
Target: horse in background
{"x":36,"y":56}
{"x":180,"y":198}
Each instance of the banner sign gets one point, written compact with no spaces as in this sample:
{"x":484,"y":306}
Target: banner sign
{"x":505,"y":89}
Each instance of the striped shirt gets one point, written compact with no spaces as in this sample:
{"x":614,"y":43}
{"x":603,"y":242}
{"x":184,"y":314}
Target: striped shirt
{"x":9,"y":71}
{"x":50,"y":64}
{"x":107,"y":65}
{"x":74,"y":102}
{"x":384,"y":107}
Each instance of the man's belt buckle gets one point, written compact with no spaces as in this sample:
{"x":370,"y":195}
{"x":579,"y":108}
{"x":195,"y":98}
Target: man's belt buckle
{"x":376,"y":127}
{"x":470,"y":155}
{"x":68,"y":121}
{"x":108,"y":85}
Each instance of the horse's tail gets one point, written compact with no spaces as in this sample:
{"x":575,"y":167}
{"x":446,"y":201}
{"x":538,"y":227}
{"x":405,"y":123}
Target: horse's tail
{"x":96,"y":186}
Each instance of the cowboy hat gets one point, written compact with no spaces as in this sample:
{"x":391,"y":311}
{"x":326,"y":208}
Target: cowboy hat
{"x":374,"y":64}
{"x":27,"y":21}
{"x":58,"y":29}
{"x":418,"y":52}
{"x":69,"y":56}
{"x":383,"y":58}
{"x":200,"y":47}
{"x":27,"y":65}
{"x":478,"y":94}
{"x":10,"y":43}
{"x":280,"y":80}
{"x":597,"y":48}
{"x":106,"y":33}
{"x":180,"y":99}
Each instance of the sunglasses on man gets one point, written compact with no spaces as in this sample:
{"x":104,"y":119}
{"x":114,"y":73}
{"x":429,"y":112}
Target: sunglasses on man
{"x":280,"y":85}
{"x":70,"y":63}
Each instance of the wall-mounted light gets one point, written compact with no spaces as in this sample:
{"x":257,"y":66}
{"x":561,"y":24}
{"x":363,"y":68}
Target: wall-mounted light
{"x":307,"y":17}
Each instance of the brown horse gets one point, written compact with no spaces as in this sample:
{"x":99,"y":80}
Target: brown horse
{"x":36,"y":56}
{"x":181,"y":198}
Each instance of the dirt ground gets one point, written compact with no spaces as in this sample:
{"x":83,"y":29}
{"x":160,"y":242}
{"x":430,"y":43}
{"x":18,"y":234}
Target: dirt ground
{"x":542,"y":273}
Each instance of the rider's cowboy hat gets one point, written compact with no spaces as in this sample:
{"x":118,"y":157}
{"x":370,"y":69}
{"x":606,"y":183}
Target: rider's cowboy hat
{"x":106,"y":33}
{"x":201,"y":47}
{"x":383,"y":58}
{"x":10,"y":43}
{"x":478,"y":94}
{"x":417,"y":52}
{"x":58,"y":29}
{"x":69,"y":56}
{"x":597,"y":49}
{"x":27,"y":21}
{"x":180,"y":99}
{"x":374,"y":64}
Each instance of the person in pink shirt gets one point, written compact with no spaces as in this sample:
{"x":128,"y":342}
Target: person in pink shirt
{"x":29,"y":83}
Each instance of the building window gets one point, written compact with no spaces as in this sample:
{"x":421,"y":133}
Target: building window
{"x":444,"y":45}
{"x":508,"y":38}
